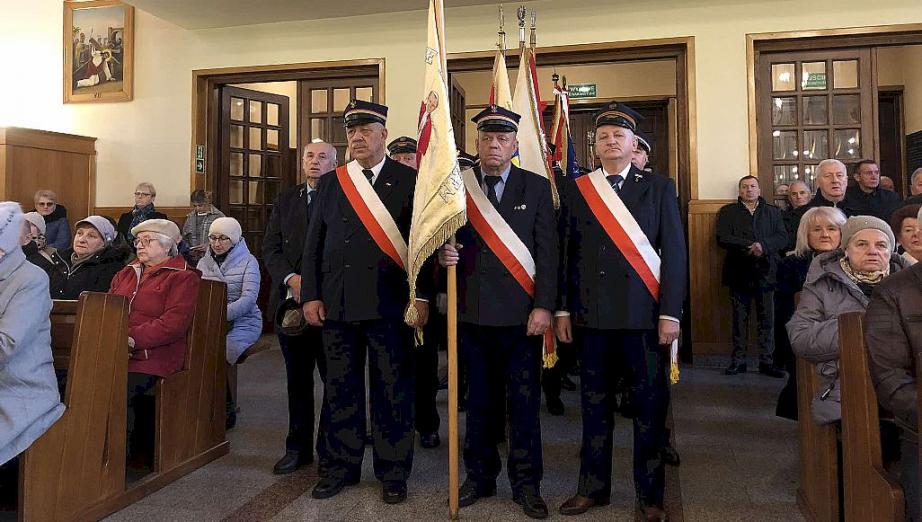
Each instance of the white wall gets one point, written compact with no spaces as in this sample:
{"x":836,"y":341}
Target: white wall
{"x":149,"y":138}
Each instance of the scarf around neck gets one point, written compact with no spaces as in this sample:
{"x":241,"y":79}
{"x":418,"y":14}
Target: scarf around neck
{"x":858,"y":276}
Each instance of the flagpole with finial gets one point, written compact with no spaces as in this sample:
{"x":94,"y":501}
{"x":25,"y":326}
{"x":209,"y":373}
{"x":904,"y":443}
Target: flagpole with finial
{"x":522,"y":11}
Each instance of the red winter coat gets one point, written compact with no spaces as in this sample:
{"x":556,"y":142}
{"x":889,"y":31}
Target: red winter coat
{"x":160,"y":313}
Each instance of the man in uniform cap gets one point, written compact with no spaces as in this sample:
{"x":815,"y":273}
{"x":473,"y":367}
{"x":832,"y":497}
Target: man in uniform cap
{"x":641,"y":155}
{"x":283,"y":248}
{"x":501,"y":324}
{"x":627,"y":309}
{"x":403,"y":150}
{"x":354,"y":285}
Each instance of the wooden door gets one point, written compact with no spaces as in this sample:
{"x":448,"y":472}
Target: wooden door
{"x":813,"y":106}
{"x":892,"y":151}
{"x":457,"y":106}
{"x":321,"y":109}
{"x":254,"y":159}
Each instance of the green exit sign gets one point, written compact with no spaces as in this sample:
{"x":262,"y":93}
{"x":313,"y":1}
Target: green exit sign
{"x":582,"y":90}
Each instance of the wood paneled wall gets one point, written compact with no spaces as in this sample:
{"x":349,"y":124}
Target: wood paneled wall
{"x":31,"y":160}
{"x":709,"y":299}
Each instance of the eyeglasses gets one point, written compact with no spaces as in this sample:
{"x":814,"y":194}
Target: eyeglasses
{"x":217,"y":239}
{"x":139,"y":194}
{"x":49,"y":204}
{"x":143,"y":241}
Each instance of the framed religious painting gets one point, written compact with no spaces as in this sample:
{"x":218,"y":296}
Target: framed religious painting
{"x":98,"y":51}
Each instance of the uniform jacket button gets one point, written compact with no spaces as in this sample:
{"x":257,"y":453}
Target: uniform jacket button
{"x":602,"y":273}
{"x":348,"y":265}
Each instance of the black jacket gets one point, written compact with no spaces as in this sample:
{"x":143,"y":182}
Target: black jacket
{"x":488,"y":294}
{"x":600,"y":288}
{"x":342,"y":265}
{"x":283,"y":244}
{"x":879,"y":203}
{"x":93,"y":275}
{"x":913,"y":200}
{"x":737,"y":228}
{"x":124,"y":224}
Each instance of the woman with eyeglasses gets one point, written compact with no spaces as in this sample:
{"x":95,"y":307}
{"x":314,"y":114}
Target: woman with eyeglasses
{"x":839,"y":282}
{"x":162,"y":290}
{"x":89,"y":264}
{"x":229,"y":261}
{"x":144,"y":196}
{"x":57,"y":231}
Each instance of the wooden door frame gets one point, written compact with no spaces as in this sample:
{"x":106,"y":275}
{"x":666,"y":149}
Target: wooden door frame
{"x":205,"y":101}
{"x":816,"y":40}
{"x":898,"y":91}
{"x":679,"y":49}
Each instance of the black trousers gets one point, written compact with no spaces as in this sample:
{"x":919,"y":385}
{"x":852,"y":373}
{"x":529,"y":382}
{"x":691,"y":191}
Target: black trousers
{"x":605,"y":353}
{"x":141,"y":417}
{"x":427,"y":372}
{"x":387,"y":345}
{"x":302,"y":353}
{"x":741,"y":299}
{"x":550,"y":377}
{"x":503,"y":354}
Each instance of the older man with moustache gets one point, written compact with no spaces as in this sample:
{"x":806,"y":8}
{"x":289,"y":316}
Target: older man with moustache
{"x":283,"y":248}
{"x":355,"y":287}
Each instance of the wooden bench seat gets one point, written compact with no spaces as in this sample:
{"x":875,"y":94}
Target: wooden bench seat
{"x":818,"y":493}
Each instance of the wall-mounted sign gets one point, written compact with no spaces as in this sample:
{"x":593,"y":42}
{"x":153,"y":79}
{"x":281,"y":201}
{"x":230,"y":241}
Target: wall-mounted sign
{"x":582,"y":90}
{"x":199,"y":152}
{"x":815,"y":81}
{"x":199,"y":166}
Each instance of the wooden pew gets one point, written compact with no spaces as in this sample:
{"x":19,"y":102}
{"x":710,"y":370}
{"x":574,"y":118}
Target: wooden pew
{"x":870,"y":493}
{"x":80,"y":460}
{"x":818,"y":494}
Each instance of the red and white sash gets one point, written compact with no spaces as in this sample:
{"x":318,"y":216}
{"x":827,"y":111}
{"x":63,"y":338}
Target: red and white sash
{"x":505,"y":244}
{"x":372,"y":212}
{"x":622,"y":228}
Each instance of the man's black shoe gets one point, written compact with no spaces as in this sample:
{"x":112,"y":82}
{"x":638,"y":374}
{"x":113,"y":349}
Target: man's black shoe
{"x":292,"y":461}
{"x":735,"y":368}
{"x":394,"y":491}
{"x":430,"y":440}
{"x":567,"y":383}
{"x":330,"y":487}
{"x":772,"y":371}
{"x":471,"y":492}
{"x":532,"y":504}
{"x":555,"y":406}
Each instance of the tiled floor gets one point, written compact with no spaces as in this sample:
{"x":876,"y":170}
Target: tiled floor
{"x":738,"y":463}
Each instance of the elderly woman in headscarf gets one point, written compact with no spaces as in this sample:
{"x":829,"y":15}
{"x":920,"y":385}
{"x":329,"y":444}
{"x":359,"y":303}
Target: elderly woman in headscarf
{"x":820,"y":231}
{"x":163,"y":290}
{"x":29,"y":399}
{"x":229,"y":261}
{"x":89,"y":264}
{"x":839,"y":282}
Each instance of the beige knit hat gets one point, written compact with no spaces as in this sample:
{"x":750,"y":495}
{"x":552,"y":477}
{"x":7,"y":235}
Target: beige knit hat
{"x":856,"y":224}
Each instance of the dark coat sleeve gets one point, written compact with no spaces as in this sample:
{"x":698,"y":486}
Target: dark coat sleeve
{"x":776,"y":238}
{"x":890,"y":358}
{"x":725,"y":232}
{"x":673,"y":270}
{"x":547,"y":252}
{"x":273,"y":257}
{"x":312,"y":259}
{"x":563,"y":231}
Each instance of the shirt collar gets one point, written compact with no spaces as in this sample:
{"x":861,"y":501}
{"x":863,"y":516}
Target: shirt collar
{"x":623,"y":173}
{"x":377,"y":169}
{"x":504,"y":175}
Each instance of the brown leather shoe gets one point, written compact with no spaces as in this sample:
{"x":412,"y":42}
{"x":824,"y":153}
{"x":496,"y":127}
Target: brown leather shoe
{"x":652,"y":513}
{"x":578,"y":504}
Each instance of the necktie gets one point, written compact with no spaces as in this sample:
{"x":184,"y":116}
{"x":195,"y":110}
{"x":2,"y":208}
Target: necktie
{"x":615,"y":182}
{"x":368,"y":174}
{"x":310,"y":201}
{"x":491,"y":182}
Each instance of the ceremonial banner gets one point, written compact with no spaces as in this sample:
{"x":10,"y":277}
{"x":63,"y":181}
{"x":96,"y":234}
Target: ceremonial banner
{"x":532,"y":154}
{"x":564,"y":152}
{"x":438,"y":205}
{"x":500,"y":93}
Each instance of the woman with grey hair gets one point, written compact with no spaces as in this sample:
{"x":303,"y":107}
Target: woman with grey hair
{"x":144,"y":196}
{"x":57,"y":231}
{"x":839,"y":282}
{"x":820,"y":231}
{"x":163,"y":290}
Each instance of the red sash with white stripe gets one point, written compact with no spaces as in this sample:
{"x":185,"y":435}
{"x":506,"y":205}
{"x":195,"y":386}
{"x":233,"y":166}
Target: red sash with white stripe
{"x":505,"y":245}
{"x":622,"y":228}
{"x":372,"y":212}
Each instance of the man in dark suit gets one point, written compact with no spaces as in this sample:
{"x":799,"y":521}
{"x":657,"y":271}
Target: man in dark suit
{"x":867,"y":197}
{"x":355,"y":287}
{"x":627,"y":308}
{"x":282,"y":251}
{"x":501,"y":323}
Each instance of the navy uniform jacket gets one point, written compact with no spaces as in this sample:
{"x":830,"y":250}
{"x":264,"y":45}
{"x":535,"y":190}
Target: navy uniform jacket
{"x":284,"y":245}
{"x":600,"y":289}
{"x":488,"y":294}
{"x":342,"y":265}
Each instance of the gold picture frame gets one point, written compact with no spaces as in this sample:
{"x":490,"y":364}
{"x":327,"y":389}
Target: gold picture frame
{"x":98,"y":51}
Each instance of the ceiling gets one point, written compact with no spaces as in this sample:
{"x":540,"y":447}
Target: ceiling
{"x":209,"y":14}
